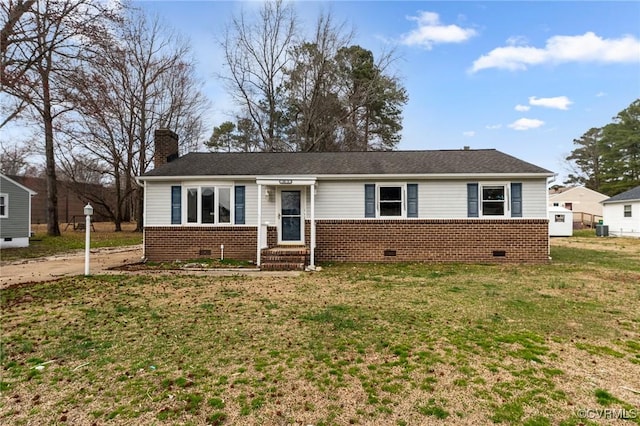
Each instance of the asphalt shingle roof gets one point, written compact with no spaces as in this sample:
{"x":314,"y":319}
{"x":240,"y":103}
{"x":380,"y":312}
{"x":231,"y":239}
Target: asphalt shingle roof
{"x":632,"y":194}
{"x":482,"y":161}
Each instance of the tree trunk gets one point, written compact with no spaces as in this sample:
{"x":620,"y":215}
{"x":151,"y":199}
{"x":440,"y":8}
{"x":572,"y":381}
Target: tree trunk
{"x":140,"y":212}
{"x":53,"y":228}
{"x":117,"y":217}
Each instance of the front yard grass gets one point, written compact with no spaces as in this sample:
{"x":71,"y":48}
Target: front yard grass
{"x":354,"y":344}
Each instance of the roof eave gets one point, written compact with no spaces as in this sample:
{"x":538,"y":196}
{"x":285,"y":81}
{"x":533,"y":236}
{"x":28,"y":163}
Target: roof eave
{"x":29,"y":190}
{"x":423,"y":176}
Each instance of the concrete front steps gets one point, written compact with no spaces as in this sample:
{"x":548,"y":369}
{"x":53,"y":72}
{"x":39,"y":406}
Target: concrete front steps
{"x":284,"y":258}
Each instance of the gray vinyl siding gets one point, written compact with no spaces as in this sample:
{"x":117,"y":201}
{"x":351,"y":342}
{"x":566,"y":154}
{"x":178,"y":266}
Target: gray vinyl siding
{"x":17,"y":224}
{"x":442,"y":199}
{"x":437,"y":199}
{"x":534,"y":198}
{"x":340,"y":200}
{"x":158,"y":203}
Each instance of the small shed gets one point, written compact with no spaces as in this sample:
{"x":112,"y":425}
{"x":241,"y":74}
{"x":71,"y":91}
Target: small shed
{"x":560,"y":222}
{"x":15,"y":213}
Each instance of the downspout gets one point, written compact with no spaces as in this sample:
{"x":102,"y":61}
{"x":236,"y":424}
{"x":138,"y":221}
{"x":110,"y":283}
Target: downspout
{"x":548,"y":181}
{"x":259,"y":248}
{"x":144,"y":220}
{"x":143,"y":184}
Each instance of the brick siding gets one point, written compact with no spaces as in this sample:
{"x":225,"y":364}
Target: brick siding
{"x":169,"y":243}
{"x":432,"y":240}
{"x":426,"y":240}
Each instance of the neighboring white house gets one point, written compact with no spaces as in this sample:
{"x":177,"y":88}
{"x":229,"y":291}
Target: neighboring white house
{"x":560,"y":222}
{"x":15,"y":213}
{"x":621,"y":213}
{"x":584,"y":202}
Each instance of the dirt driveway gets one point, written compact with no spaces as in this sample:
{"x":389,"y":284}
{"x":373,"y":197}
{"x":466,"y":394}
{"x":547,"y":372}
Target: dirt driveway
{"x":53,"y":267}
{"x":101,"y":260}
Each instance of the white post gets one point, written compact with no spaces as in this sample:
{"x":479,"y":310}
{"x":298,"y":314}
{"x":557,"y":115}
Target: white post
{"x":312,"y":229}
{"x":88,"y":211}
{"x":259,"y":225}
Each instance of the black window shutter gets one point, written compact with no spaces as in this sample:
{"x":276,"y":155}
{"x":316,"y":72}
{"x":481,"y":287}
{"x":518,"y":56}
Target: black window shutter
{"x":369,"y":200}
{"x":516,"y":200}
{"x":239,"y":205}
{"x":472,"y":200}
{"x":176,"y":205}
{"x":412,"y":200}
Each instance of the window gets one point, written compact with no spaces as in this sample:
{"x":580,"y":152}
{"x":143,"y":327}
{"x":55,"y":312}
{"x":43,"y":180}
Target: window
{"x":192,"y":205}
{"x":627,"y":210}
{"x":493,"y":200}
{"x":209,"y":205}
{"x":176,"y":206}
{"x":4,"y":205}
{"x":556,"y":204}
{"x":224,"y":205}
{"x":390,"y":201}
{"x":559,"y":218}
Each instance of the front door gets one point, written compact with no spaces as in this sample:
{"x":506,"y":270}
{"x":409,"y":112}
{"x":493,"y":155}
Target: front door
{"x":290,"y":217}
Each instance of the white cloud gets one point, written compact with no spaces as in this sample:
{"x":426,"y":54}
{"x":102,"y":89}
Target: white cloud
{"x":559,"y":102}
{"x":517,"y":41}
{"x":431,"y":31}
{"x":493,"y":126}
{"x":526,"y":124}
{"x":469,"y":133}
{"x":600,"y":94}
{"x":588,"y":47}
{"x":522,"y":108}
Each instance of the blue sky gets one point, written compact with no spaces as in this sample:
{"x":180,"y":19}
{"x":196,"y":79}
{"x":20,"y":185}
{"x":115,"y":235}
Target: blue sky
{"x":522,"y":77}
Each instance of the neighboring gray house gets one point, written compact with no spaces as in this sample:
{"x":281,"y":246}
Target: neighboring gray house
{"x":437,"y":206}
{"x":621,"y":213}
{"x":15,"y":213}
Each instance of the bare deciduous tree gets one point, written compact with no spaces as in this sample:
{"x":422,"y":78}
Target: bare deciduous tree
{"x":140,"y":79}
{"x":256,"y":54}
{"x":53,"y":38}
{"x":14,"y":159}
{"x":314,"y":110}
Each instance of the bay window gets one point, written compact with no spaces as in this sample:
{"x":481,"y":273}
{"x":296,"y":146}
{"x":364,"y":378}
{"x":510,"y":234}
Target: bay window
{"x":208,"y":205}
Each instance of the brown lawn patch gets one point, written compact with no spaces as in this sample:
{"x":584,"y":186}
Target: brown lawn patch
{"x":365,"y":344}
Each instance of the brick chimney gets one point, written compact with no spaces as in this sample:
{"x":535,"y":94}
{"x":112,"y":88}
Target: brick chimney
{"x":166,"y":147}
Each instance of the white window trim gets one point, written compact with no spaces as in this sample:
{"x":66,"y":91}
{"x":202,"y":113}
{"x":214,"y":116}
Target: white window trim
{"x":624,"y":210}
{"x":403,"y":199}
{"x":216,"y":187}
{"x":507,"y":200}
{"x":6,"y":206}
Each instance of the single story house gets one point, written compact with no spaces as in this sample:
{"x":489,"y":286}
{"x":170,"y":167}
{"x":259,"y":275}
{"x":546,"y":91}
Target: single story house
{"x":621,"y":213}
{"x":560,"y":222}
{"x":294,"y":209}
{"x":584,"y":202}
{"x":15,"y":213}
